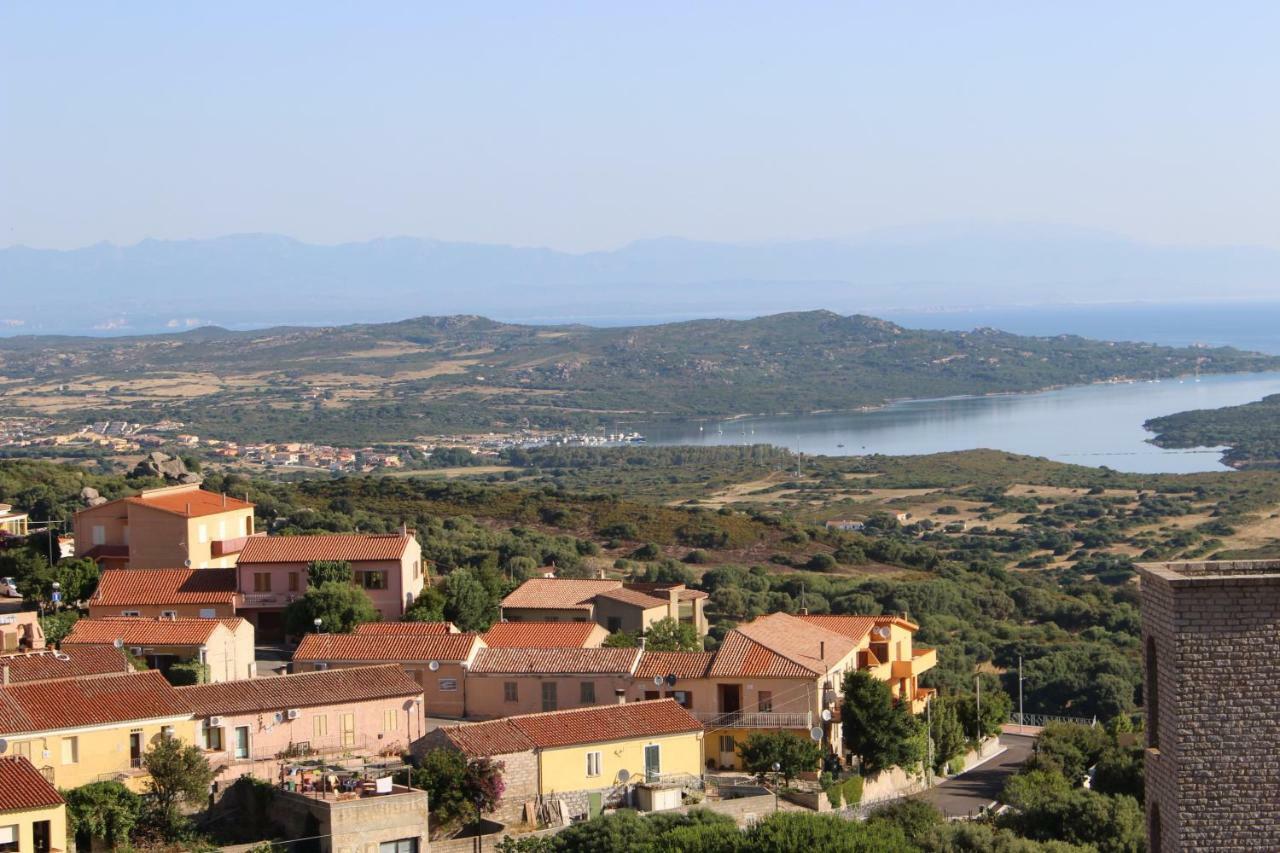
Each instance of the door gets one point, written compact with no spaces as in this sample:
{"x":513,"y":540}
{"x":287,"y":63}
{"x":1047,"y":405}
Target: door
{"x":728,"y":751}
{"x":348,"y":729}
{"x":135,"y":749}
{"x":652,"y":762}
{"x":550,"y":701}
{"x":242,"y":742}
{"x":41,"y":836}
{"x":730,"y":699}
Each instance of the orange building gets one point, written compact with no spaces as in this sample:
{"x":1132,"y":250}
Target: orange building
{"x":164,"y":528}
{"x":170,"y":593}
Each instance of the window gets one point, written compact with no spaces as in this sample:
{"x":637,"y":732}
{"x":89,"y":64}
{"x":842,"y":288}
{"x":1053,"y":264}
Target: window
{"x":202,"y":533}
{"x":404,"y":845}
{"x":448,"y":685}
{"x":389,"y":720}
{"x":684,"y":698}
{"x":549,"y":698}
{"x":587,"y":693}
{"x":615,"y":624}
{"x":765,"y":701}
{"x":262,"y":582}
{"x":9,"y":838}
{"x":242,"y":742}
{"x":652,"y":761}
{"x":168,"y":614}
{"x":293,"y":581}
{"x":417,"y":569}
{"x":593,"y":764}
{"x":510,"y":691}
{"x":99,"y":535}
{"x":375,"y":580}
{"x":135,"y":747}
{"x":348,"y":729}
{"x":248,"y":525}
{"x":23,"y":749}
{"x":728,"y":744}
{"x":319,"y":726}
{"x":130,"y":613}
{"x":70,"y":750}
{"x":321,"y":666}
{"x":166,"y":731}
{"x":212,"y":737}
{"x":208,"y":613}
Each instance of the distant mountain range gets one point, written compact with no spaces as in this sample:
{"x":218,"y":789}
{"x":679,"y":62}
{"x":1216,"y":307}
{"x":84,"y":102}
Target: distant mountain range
{"x":257,"y":280}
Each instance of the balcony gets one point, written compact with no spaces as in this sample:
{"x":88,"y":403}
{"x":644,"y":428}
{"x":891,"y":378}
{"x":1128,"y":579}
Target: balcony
{"x":922,"y":660}
{"x":223,"y":547}
{"x":756,"y":720}
{"x":269,"y":599}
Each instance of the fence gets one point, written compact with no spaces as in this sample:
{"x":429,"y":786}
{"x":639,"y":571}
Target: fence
{"x":1042,"y":720}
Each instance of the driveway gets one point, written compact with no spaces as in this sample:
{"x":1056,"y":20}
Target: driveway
{"x":965,"y":795}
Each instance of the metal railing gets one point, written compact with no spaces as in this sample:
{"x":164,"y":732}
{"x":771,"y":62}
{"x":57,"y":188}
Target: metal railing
{"x":270,"y":599}
{"x":1042,"y":720}
{"x":756,"y":720}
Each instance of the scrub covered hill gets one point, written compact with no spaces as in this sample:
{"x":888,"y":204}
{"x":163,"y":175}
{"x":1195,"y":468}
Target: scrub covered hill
{"x":1250,"y":432}
{"x":392,"y":381}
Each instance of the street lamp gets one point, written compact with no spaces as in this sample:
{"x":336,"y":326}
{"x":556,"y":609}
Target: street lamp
{"x":317,"y":622}
{"x":777,"y":768}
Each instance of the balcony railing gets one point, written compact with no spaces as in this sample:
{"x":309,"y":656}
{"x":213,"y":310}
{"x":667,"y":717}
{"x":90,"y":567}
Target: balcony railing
{"x":269,"y":599}
{"x":756,"y":720}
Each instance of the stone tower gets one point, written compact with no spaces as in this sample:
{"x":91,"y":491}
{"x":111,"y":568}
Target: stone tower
{"x":1211,"y":643}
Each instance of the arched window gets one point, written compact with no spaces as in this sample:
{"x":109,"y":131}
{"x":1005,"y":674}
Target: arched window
{"x":1152,"y":698}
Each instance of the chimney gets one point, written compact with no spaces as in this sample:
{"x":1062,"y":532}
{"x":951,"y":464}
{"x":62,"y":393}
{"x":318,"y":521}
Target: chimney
{"x":640,"y":641}
{"x":188,"y":508}
{"x":224,"y":500}
{"x":822,"y":650}
{"x":804,"y":611}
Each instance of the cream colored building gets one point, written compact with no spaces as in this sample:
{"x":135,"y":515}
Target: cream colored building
{"x":613,"y":604}
{"x":225,"y":646}
{"x":176,"y":526}
{"x":33,"y":816}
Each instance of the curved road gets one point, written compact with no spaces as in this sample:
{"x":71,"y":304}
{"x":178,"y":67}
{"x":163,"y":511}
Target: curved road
{"x":965,"y":795}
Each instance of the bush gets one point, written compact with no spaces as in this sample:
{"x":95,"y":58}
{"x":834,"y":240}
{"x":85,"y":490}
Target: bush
{"x":187,"y":673}
{"x":852,"y":789}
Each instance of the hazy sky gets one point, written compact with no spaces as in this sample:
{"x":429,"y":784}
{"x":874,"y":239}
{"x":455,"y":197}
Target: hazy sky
{"x":588,"y":125}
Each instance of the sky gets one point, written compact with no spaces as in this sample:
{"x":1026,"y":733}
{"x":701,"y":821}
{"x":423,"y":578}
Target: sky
{"x":586,"y":126}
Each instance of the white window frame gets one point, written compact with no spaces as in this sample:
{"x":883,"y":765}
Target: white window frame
{"x":130,"y":613}
{"x":208,"y":613}
{"x":70,"y":746}
{"x":593,"y":761}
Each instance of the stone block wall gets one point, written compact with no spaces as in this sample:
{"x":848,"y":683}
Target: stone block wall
{"x":1211,"y":642}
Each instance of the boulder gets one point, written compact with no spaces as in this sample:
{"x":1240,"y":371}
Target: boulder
{"x":171,"y":468}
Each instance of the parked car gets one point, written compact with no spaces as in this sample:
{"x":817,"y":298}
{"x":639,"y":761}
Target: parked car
{"x":9,"y":587}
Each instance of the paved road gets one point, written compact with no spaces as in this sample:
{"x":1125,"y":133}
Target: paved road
{"x":966,"y":794}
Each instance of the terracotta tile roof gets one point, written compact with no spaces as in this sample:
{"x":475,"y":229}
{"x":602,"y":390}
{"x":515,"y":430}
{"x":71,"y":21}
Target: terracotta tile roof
{"x":137,"y":631}
{"x":742,"y":657}
{"x":691,"y":594}
{"x":124,"y":587}
{"x":45,"y":705}
{"x":548,"y":661}
{"x":301,"y":690}
{"x":351,"y":547}
{"x":400,"y":647}
{"x":192,"y":503}
{"x":679,"y":664}
{"x":634,"y":597}
{"x":541,"y":635}
{"x":80,"y":662}
{"x":22,"y":786}
{"x":811,"y":647}
{"x":558,"y":593}
{"x":853,"y":627}
{"x":382,"y":629}
{"x":599,"y":724}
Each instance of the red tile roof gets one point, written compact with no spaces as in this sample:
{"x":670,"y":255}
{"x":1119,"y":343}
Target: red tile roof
{"x":22,"y":786}
{"x":45,"y":705}
{"x":401,"y":648}
{"x":301,"y":690}
{"x":126,"y":587}
{"x":854,"y":627}
{"x":633,"y":597}
{"x":742,"y":657}
{"x":541,"y":635}
{"x":679,"y":664}
{"x":558,"y":593}
{"x":599,"y":724}
{"x":549,"y":661}
{"x":808,"y":646}
{"x":382,"y":629}
{"x":351,"y":547}
{"x":136,"y":631}
{"x":191,"y":503}
{"x":80,"y":662}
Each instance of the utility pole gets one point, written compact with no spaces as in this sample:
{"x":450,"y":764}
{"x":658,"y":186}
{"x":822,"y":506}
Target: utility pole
{"x":1021,"y":719}
{"x":977,"y":683}
{"x":928,"y":718}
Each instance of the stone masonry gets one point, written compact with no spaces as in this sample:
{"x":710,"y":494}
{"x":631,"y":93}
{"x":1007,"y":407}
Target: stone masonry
{"x":1211,"y":640}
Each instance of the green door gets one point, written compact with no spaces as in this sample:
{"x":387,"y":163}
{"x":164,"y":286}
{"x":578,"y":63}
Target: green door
{"x":652,"y":762}
{"x":595,"y":803}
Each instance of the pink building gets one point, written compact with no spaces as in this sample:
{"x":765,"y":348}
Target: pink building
{"x":251,"y":726}
{"x":272,"y":572}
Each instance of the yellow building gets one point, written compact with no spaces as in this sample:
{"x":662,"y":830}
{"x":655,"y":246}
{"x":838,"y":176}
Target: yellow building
{"x":584,"y":755}
{"x":165,"y":528}
{"x":82,"y":730}
{"x":13,"y":522}
{"x":33,"y":816}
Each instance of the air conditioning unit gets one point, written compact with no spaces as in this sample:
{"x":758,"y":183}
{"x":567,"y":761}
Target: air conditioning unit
{"x":136,"y":651}
{"x":291,"y":714}
{"x":215,"y":722}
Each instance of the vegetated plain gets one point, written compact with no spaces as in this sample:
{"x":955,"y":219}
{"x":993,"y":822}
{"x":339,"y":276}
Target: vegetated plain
{"x":996,"y":556}
{"x":1251,"y":432}
{"x":387,"y":382}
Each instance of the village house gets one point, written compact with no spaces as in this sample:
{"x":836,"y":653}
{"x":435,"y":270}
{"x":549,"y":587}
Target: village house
{"x":21,"y":631}
{"x":581,"y":757}
{"x":424,"y":629}
{"x":33,"y":815}
{"x":503,"y":682}
{"x":250,"y":726}
{"x":224,"y":646}
{"x":784,"y":673}
{"x":165,"y":528}
{"x":55,"y":665}
{"x":170,"y":593}
{"x":273,"y":572}
{"x":12,"y":523}
{"x":82,"y":730}
{"x":437,"y":662}
{"x":613,"y":604}
{"x":545,"y":635}
{"x":846,"y":524}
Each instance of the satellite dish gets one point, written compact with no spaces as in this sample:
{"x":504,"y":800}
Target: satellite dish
{"x":883,"y":632}
{"x":186,"y":563}
{"x":826,"y":715}
{"x":409,"y":704}
{"x":816,"y":733}
{"x":118,"y":643}
{"x":671,"y":680}
{"x":4,"y":745}
{"x":657,"y":680}
{"x":623,"y":775}
{"x":434,"y":665}
{"x":62,"y":656}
